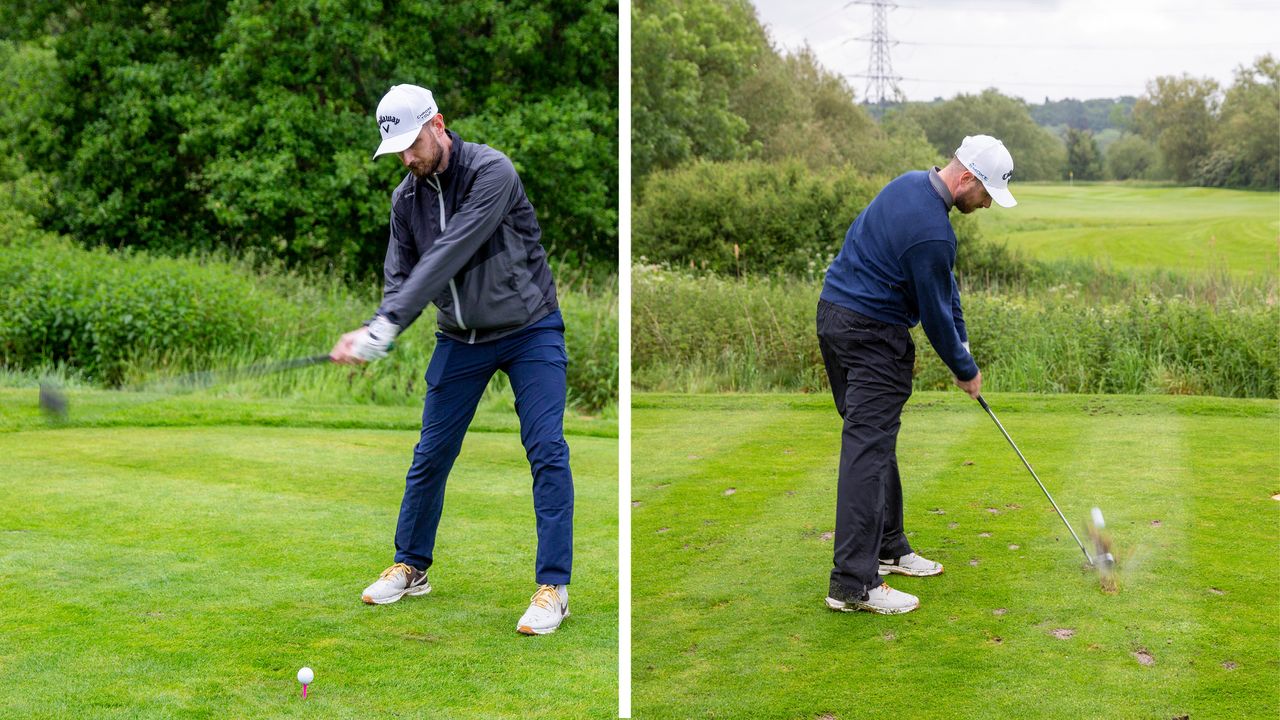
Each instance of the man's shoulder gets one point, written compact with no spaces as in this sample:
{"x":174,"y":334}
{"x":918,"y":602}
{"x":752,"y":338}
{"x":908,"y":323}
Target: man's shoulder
{"x":478,"y":155}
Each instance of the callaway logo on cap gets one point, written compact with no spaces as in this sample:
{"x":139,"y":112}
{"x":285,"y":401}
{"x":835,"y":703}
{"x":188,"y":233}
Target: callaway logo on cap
{"x":401,"y":113}
{"x":989,"y":161}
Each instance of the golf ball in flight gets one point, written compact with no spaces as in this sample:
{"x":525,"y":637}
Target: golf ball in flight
{"x":305,"y":676}
{"x":1097,"y":519}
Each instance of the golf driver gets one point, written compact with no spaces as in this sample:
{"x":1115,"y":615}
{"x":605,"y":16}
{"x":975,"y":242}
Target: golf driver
{"x":987,"y":407}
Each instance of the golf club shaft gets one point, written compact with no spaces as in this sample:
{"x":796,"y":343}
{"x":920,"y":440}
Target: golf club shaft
{"x":1013,"y":445}
{"x":213,"y":377}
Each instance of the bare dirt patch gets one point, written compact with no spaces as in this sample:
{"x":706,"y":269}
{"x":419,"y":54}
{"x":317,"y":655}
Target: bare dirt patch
{"x":938,"y":511}
{"x":1014,"y":506}
{"x":994,"y":511}
{"x":828,"y":536}
{"x":730,"y":491}
{"x":1156,"y":523}
{"x":1144,"y":657}
{"x":953,"y":525}
{"x":999,"y":611}
{"x":1216,"y":591}
{"x":973,"y":562}
{"x":635,"y":503}
{"x":967,"y":462}
{"x":1064,"y":633}
{"x":1013,"y":547}
{"x":1229,"y":665}
{"x":889,"y":636}
{"x":984,"y":534}
{"x":662,"y":530}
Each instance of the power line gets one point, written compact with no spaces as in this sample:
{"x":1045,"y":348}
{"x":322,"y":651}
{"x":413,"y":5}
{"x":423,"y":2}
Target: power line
{"x":882,"y":84}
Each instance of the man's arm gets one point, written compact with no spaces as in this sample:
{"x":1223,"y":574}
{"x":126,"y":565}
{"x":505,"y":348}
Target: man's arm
{"x":957,"y":313}
{"x":477,"y":218}
{"x":929,"y":272}
{"x":373,"y":340}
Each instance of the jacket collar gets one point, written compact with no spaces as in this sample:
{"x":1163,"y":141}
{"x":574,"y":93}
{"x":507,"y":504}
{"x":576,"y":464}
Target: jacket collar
{"x":940,"y":187}
{"x":455,"y":157}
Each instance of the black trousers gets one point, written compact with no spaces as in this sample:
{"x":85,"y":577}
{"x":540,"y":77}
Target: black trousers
{"x":869,"y":365}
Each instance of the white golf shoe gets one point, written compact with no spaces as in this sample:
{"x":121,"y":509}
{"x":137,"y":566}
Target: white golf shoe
{"x":548,"y":607}
{"x":882,"y":600}
{"x":394,"y":583}
{"x":910,"y":564}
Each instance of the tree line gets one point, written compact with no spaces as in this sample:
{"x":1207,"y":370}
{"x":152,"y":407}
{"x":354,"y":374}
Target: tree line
{"x":708,"y":85}
{"x":247,"y":125}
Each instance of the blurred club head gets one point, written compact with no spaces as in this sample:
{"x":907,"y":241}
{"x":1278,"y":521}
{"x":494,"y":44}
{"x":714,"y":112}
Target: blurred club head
{"x":1103,"y":559}
{"x":53,"y":402}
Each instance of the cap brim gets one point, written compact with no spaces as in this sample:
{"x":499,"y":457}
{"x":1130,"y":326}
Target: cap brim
{"x":1002,"y":196}
{"x":397,"y":143}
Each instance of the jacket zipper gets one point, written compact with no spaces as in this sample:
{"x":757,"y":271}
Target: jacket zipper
{"x":453,"y":288}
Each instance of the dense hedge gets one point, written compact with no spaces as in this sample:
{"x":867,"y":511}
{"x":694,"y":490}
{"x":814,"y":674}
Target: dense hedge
{"x":757,"y":334}
{"x":127,"y":318}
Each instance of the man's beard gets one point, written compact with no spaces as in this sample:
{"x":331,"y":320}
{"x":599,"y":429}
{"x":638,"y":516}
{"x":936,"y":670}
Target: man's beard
{"x":969,"y":201}
{"x":423,"y":168}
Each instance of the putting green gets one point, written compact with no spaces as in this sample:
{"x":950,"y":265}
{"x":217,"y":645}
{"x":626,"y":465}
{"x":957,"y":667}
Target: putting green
{"x":183,"y":557}
{"x":734,"y":506}
{"x":1129,"y":227}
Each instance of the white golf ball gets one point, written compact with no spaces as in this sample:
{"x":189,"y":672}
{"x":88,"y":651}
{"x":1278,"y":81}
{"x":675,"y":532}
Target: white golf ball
{"x":1097,"y":519}
{"x":305,"y":676}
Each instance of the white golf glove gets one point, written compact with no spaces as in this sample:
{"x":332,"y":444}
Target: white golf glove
{"x":375,"y":344}
{"x":965,"y":345}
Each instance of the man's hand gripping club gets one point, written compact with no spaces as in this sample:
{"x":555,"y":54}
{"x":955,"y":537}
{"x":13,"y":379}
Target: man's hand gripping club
{"x":371,"y":342}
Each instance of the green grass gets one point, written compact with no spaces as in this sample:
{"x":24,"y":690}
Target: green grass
{"x":182,"y":557}
{"x":728,"y":613}
{"x":1143,"y":228}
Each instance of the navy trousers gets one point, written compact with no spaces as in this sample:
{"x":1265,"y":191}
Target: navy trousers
{"x":536,"y":361}
{"x":869,"y":365}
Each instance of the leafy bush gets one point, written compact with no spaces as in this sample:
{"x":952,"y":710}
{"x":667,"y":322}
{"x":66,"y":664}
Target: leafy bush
{"x":101,"y":312}
{"x":757,"y":334}
{"x":749,"y":217}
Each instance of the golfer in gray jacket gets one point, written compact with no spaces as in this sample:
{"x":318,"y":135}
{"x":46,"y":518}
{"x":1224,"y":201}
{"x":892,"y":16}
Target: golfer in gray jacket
{"x":464,"y":236}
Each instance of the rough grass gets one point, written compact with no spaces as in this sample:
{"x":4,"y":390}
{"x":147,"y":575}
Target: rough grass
{"x":728,"y":614}
{"x":184,"y":556}
{"x":1143,"y":228}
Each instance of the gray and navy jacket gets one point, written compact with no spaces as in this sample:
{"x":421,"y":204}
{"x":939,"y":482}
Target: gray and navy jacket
{"x":467,"y":239}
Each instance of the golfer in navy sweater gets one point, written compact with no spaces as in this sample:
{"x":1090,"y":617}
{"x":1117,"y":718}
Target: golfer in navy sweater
{"x":894,"y":270}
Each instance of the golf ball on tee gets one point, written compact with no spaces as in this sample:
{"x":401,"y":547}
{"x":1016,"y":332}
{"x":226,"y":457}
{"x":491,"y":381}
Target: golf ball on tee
{"x":305,"y":676}
{"x":1097,"y":519}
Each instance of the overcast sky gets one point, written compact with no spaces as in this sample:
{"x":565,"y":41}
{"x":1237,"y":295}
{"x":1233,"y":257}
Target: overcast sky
{"x":1033,"y":49}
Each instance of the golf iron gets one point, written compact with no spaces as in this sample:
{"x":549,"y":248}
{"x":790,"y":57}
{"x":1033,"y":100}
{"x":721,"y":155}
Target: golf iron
{"x":987,"y":407}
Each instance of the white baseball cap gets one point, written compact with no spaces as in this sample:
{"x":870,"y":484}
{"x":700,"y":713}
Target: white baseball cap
{"x":401,"y":113}
{"x":990,"y":162}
